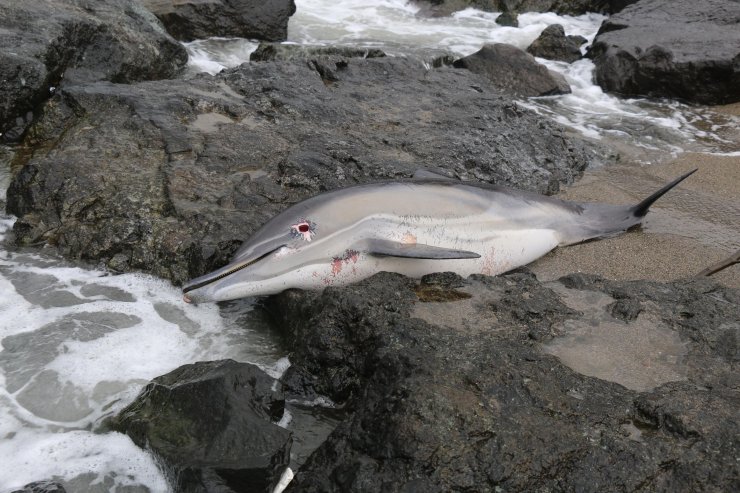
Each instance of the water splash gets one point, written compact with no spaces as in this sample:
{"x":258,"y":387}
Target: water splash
{"x":401,"y":28}
{"x":77,"y":346}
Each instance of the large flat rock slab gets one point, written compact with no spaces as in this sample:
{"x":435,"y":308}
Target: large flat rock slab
{"x":171,"y":176}
{"x":196,"y":19}
{"x":49,"y":43}
{"x":671,"y":48}
{"x":450,"y":384}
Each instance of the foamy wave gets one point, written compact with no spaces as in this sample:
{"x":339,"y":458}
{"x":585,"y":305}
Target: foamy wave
{"x":78,"y":345}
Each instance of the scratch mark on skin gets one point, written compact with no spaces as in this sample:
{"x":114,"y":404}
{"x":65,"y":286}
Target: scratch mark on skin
{"x":489,"y":262}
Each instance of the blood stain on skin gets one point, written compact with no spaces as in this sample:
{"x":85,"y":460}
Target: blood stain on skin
{"x":338,"y":263}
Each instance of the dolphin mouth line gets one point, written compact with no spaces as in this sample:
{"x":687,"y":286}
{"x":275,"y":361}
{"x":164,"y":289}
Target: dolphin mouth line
{"x":236,"y":268}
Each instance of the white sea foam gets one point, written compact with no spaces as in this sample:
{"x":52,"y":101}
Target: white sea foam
{"x":112,"y":458}
{"x":278,"y":369}
{"x":402,"y":28}
{"x":726,"y":154}
{"x":285,"y":419}
{"x":77,"y":345}
{"x":212,"y":55}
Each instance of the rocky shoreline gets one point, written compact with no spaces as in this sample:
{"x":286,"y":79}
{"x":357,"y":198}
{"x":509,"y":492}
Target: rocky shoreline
{"x":451,"y":384}
{"x":446,"y":384}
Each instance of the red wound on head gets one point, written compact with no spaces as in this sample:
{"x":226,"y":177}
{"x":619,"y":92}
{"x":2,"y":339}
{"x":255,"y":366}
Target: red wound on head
{"x":303,"y":228}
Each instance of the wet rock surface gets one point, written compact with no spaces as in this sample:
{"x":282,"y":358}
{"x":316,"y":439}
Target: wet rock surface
{"x":170,"y":177}
{"x":675,"y":49}
{"x":509,"y":19}
{"x":211,"y":425}
{"x":460,"y":395}
{"x":514,"y":71}
{"x":48,"y":44}
{"x":568,"y":7}
{"x":267,"y":52}
{"x":195,"y":19}
{"x":553,"y":44}
{"x":41,"y":487}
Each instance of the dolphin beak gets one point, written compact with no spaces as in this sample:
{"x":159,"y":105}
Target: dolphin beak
{"x":206,"y":288}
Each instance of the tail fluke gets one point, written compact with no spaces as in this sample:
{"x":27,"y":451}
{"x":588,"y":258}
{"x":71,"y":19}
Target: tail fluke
{"x":601,"y":220}
{"x":642,"y":208}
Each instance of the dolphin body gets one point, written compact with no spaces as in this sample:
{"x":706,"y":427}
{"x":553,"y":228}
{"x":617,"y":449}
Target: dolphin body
{"x":414,"y":228}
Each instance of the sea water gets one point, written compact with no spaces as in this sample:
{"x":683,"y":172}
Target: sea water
{"x":402,"y":28}
{"x":78,"y":343}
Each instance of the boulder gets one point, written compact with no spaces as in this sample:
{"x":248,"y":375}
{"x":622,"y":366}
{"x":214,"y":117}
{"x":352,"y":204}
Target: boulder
{"x":514,"y":71}
{"x":187,"y":20}
{"x":210,"y":424}
{"x":42,"y":487}
{"x":508,"y":19}
{"x":674,"y":49}
{"x":563,"y":7}
{"x":459,"y":385}
{"x":171,"y":176}
{"x":275,"y":51}
{"x":47,"y":44}
{"x":553,"y":44}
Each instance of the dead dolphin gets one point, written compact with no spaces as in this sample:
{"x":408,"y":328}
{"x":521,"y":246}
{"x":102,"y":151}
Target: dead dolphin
{"x":413,"y":228}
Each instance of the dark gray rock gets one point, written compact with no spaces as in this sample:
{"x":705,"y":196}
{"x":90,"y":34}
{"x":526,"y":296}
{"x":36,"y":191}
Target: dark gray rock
{"x":44,"y":45}
{"x":458,"y":395}
{"x":170,"y":177}
{"x":675,"y":49}
{"x":210,"y":424}
{"x":274,"y":51}
{"x":513,"y":71}
{"x":553,"y":44}
{"x":42,"y":487}
{"x":567,"y":7}
{"x":508,"y":19}
{"x":195,"y":19}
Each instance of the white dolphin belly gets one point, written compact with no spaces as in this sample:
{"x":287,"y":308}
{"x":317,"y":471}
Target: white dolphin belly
{"x":499,"y":252}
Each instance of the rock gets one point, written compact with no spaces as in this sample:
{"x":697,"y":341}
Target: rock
{"x":187,"y":20}
{"x":460,"y":396}
{"x":513,"y":71}
{"x":508,"y":19}
{"x":42,"y":487}
{"x":171,"y":176}
{"x":637,"y":52}
{"x":618,"y":5}
{"x":553,"y":44}
{"x":211,"y":426}
{"x":563,"y":7}
{"x":276,"y":51}
{"x":45,"y":45}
